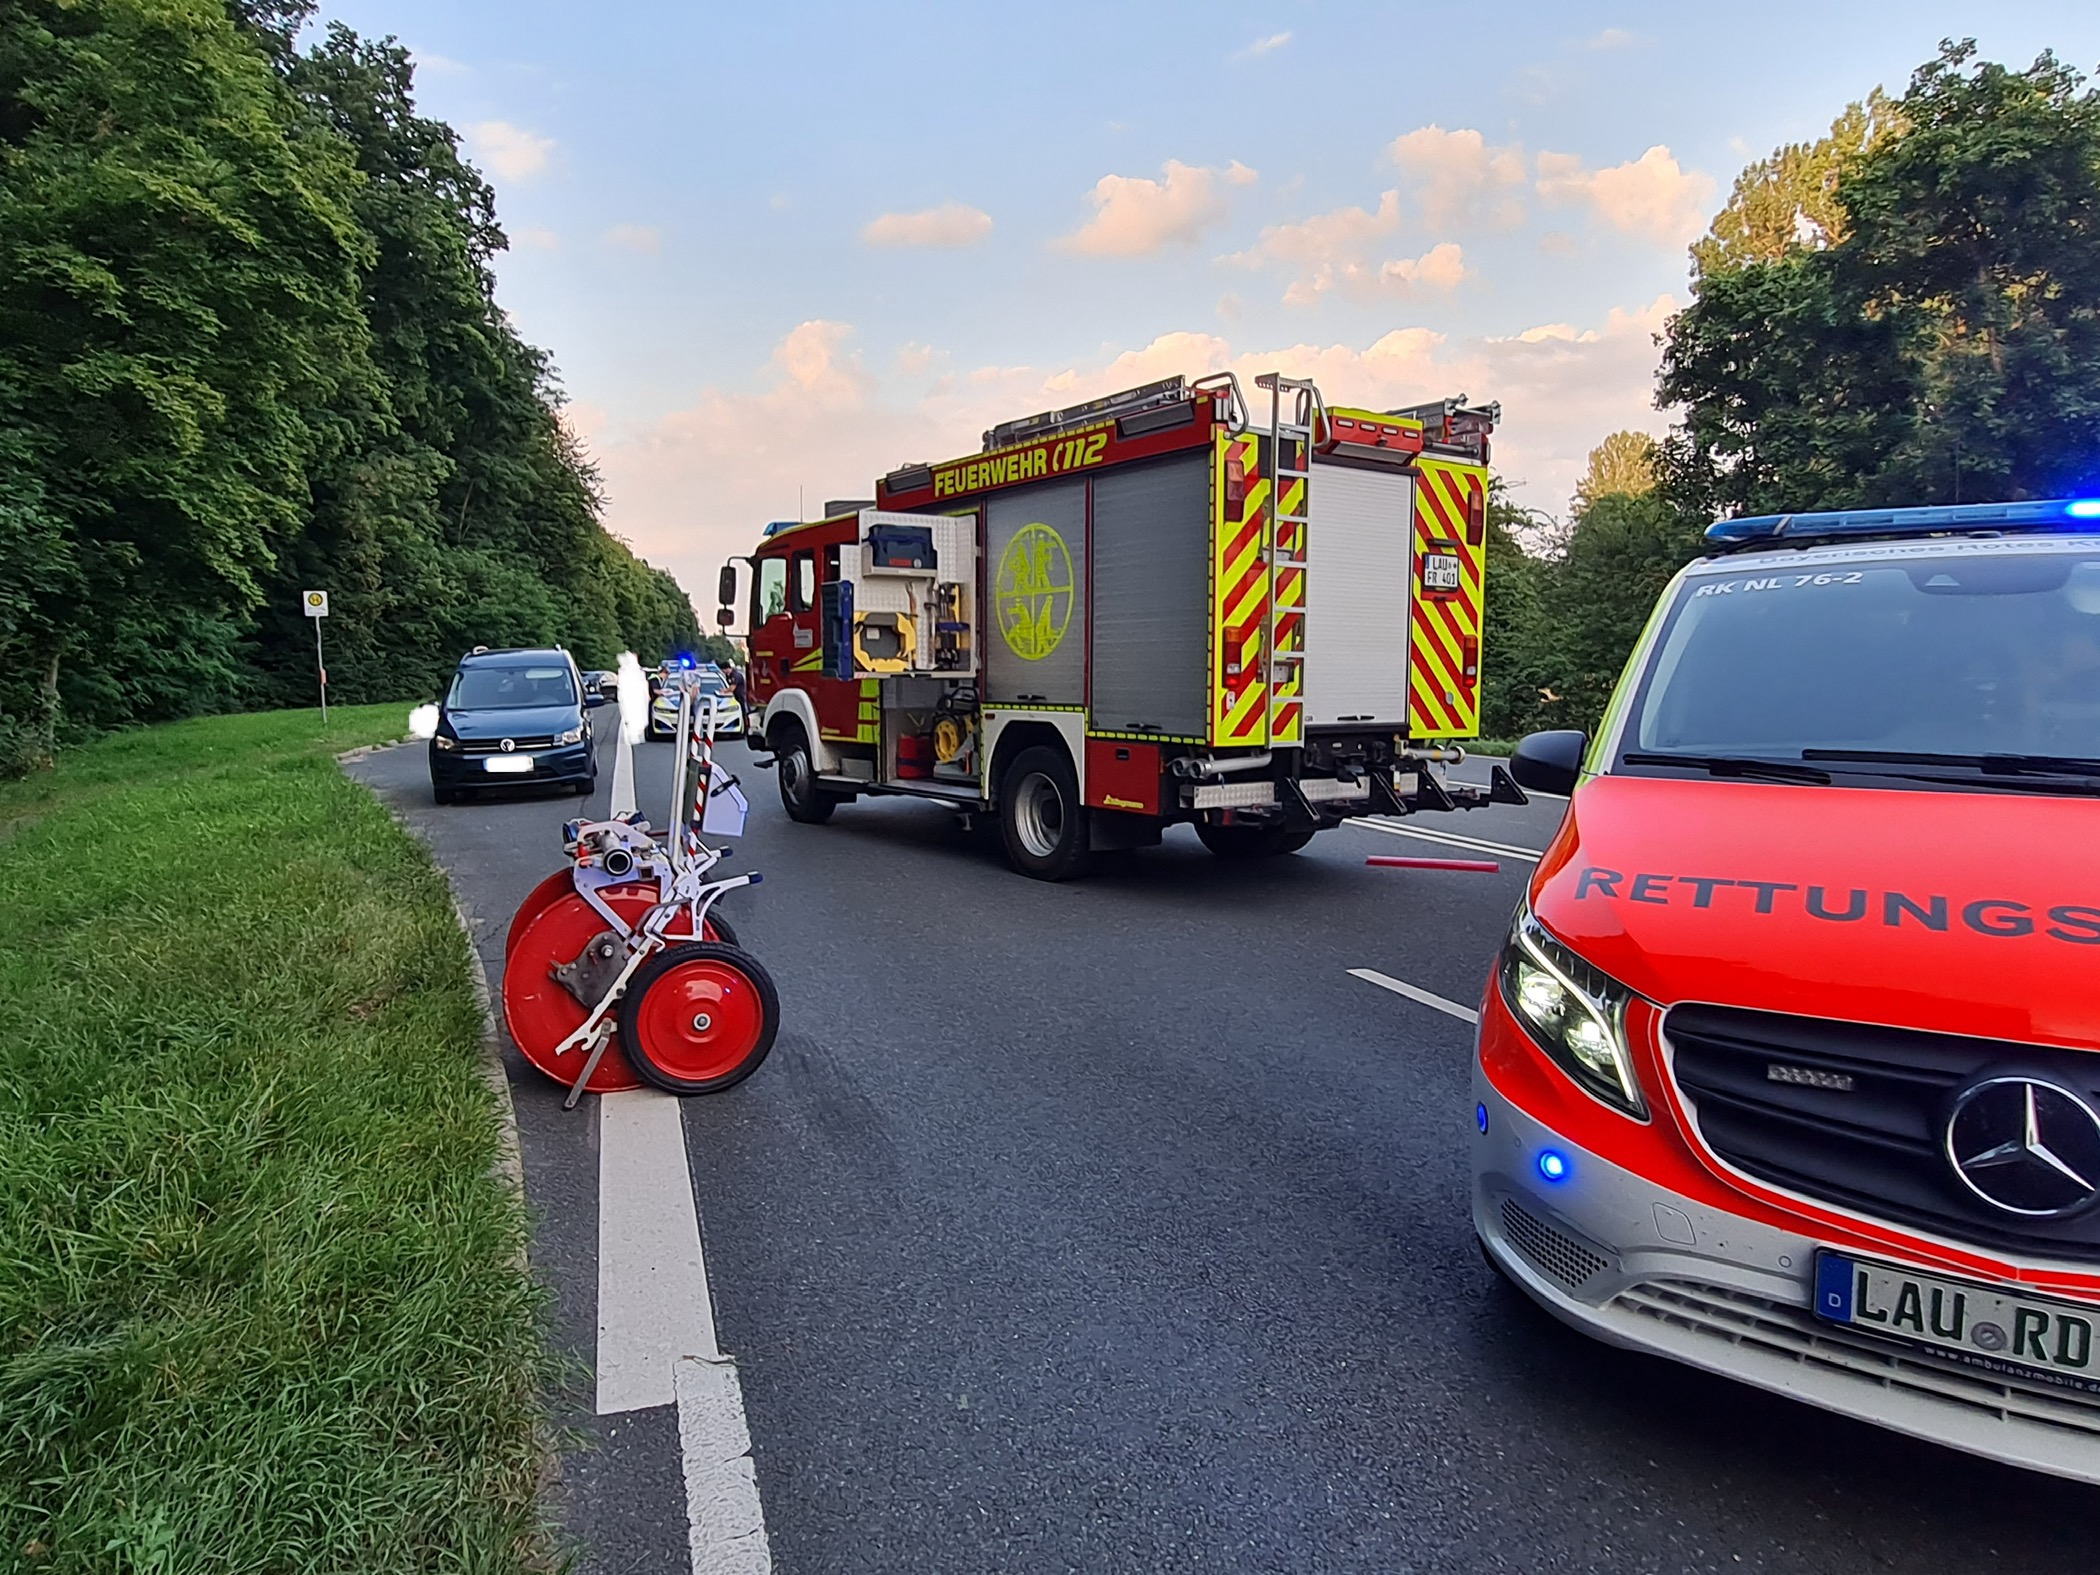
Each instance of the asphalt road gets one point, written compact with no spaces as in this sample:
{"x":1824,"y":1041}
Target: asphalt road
{"x":1114,"y":1227}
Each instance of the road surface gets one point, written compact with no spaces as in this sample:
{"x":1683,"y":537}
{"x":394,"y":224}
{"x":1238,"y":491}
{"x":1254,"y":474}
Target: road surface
{"x":1118,"y":1226}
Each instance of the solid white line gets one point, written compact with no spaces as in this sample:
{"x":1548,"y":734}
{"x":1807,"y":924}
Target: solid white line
{"x":623,"y":775}
{"x":725,"y":1524}
{"x":1451,"y":839}
{"x":653,"y":1305}
{"x":1464,"y":1014}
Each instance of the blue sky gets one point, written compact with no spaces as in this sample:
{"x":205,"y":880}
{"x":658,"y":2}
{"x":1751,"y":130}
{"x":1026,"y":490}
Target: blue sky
{"x":776,"y":250}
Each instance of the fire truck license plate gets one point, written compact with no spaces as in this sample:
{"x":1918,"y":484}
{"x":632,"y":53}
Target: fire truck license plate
{"x":1439,"y":571}
{"x":1981,"y":1325}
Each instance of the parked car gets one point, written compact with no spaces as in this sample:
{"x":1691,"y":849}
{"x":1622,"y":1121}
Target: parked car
{"x":511,"y":718}
{"x":663,"y":700}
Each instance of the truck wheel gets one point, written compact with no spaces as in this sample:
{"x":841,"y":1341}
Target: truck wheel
{"x":1041,"y":819}
{"x":699,"y":1018}
{"x":1250,"y":842}
{"x":800,"y":796}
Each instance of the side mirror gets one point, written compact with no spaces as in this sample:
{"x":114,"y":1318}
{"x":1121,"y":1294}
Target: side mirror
{"x":593,"y":697}
{"x":725,"y":587}
{"x":1549,"y":762}
{"x":724,"y":617}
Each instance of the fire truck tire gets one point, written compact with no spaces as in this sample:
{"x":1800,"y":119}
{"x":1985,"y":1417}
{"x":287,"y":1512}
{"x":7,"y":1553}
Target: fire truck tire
{"x":800,"y":796}
{"x":699,"y":1018}
{"x":1250,"y":842}
{"x":1041,"y":819}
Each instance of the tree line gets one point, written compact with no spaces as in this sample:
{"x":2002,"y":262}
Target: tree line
{"x":1905,"y":311}
{"x":249,"y":344}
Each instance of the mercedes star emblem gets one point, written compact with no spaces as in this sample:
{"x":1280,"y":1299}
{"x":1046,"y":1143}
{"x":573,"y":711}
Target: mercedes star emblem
{"x":508,"y":745}
{"x":2026,"y":1146}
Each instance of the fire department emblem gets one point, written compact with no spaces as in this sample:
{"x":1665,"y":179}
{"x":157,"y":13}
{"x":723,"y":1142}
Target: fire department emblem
{"x":1034,"y":591}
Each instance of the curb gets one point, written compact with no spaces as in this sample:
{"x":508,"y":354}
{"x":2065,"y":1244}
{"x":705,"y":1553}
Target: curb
{"x":510,"y":1163}
{"x":362,"y":750}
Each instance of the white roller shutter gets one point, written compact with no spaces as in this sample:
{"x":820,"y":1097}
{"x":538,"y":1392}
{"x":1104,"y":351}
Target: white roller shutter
{"x":1356,"y":587}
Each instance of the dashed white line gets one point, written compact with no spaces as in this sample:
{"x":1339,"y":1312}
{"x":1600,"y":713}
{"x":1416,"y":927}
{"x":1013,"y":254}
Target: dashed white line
{"x":1464,"y":1014}
{"x":1450,"y":839}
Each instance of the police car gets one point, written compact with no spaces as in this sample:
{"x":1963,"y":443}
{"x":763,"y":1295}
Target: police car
{"x":1790,"y":1066}
{"x":708,"y":684}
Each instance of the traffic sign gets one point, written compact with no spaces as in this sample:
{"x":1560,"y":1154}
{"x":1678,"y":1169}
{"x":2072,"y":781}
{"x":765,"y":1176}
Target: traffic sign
{"x":314,"y":603}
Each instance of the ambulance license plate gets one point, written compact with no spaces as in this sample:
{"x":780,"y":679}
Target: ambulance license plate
{"x":1982,"y":1326}
{"x":1439,"y":571}
{"x":509,"y":765}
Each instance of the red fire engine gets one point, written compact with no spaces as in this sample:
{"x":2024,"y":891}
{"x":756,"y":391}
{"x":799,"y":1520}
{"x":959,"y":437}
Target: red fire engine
{"x":1138,"y":611}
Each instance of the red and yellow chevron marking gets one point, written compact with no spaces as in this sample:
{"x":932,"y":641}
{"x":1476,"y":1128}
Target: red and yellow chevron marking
{"x":1287,"y":694}
{"x":1239,"y":598}
{"x":1444,"y":640}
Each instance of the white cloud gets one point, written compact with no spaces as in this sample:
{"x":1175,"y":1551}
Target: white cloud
{"x":537,"y":239}
{"x":696,"y":485}
{"x":951,"y":224}
{"x":510,"y":151}
{"x":1460,"y":177}
{"x":1651,"y":197}
{"x":1333,"y":252}
{"x":1610,"y":38}
{"x":636,"y":238}
{"x":1135,"y":216}
{"x":914,"y":358}
{"x":1264,"y":46}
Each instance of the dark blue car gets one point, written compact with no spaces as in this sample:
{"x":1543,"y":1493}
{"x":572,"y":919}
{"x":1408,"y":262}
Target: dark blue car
{"x":511,"y":718}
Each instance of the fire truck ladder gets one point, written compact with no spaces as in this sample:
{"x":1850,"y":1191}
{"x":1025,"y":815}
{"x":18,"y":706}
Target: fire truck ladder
{"x":1292,"y":431}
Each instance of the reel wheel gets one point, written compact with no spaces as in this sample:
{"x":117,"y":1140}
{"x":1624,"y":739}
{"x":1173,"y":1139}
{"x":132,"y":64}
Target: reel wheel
{"x":699,"y":1017}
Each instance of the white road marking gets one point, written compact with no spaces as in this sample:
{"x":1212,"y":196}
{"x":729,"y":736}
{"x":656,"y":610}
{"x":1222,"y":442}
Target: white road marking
{"x":623,"y":775}
{"x":653,"y":1305}
{"x":1450,"y":839}
{"x":1464,"y":1014}
{"x":726,"y":1526}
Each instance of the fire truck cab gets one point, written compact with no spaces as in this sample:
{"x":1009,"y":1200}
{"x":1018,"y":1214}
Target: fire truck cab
{"x":1147,"y":609}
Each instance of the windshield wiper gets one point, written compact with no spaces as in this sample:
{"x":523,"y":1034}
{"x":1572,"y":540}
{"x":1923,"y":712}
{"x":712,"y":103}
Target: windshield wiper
{"x":1735,"y":766}
{"x":1990,"y":765}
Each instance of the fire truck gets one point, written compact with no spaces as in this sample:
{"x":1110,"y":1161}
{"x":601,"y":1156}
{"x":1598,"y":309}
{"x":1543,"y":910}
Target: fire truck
{"x":1156,"y":607}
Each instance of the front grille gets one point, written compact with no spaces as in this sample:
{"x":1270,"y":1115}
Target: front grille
{"x":1553,"y":1253}
{"x":1778,"y":1329}
{"x":1856,"y":1115}
{"x":524,"y":743}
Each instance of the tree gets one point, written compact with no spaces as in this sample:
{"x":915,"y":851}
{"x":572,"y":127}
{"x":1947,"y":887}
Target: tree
{"x":1946,"y":345}
{"x":1624,"y":464}
{"x":1790,"y":200}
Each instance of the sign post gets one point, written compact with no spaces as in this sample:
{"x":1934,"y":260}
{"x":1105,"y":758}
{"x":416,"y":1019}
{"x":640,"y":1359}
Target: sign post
{"x":315,"y":605}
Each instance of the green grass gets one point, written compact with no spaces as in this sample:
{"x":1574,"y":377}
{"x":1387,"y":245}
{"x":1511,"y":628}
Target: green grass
{"x":262,"y":1305}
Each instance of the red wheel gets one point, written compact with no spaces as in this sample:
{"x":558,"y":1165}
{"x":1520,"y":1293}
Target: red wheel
{"x":541,"y":897}
{"x":539,"y":1010}
{"x":699,"y":1018}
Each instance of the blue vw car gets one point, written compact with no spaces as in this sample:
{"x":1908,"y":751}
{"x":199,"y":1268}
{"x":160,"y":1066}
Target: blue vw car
{"x":511,"y":718}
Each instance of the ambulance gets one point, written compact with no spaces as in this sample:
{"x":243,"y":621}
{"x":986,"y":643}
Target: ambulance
{"x":1790,"y":1065}
{"x":1157,"y":607}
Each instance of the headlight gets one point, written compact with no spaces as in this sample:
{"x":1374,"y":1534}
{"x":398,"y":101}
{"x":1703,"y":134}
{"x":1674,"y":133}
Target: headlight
{"x":573,"y":736}
{"x":443,"y":741}
{"x":1575,"y":1012}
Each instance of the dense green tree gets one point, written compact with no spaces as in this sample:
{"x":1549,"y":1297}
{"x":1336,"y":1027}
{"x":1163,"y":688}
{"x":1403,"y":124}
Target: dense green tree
{"x":1946,"y":345}
{"x":1789,"y":200}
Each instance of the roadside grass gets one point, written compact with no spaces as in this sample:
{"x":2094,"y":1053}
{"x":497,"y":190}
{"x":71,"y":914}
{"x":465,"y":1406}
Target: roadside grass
{"x":262,"y":1301}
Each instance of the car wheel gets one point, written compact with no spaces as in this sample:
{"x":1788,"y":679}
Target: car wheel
{"x":1041,"y":819}
{"x":1250,"y":842}
{"x":800,"y":796}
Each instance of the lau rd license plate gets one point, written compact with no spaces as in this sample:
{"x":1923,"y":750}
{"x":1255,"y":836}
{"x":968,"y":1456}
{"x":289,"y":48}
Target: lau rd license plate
{"x":512,"y":765}
{"x":1984,"y":1326}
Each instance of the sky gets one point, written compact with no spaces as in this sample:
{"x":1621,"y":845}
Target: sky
{"x":778,"y":250}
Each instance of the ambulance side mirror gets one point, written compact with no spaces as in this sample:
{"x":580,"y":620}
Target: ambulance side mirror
{"x":1549,"y":762}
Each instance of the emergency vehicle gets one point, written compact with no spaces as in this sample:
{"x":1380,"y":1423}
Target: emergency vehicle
{"x":1138,"y":611}
{"x":1790,"y":1068}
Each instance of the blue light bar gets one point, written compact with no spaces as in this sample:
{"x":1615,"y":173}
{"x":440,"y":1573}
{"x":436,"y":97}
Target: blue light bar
{"x":2051,"y":514}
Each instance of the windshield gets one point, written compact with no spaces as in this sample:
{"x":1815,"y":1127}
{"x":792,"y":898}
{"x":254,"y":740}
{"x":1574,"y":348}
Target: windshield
{"x":1982,"y":656}
{"x":484,"y":688}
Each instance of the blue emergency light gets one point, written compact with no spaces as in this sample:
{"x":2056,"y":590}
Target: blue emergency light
{"x":1837,"y":524}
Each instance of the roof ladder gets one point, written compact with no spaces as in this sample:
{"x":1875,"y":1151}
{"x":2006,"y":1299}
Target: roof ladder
{"x":1295,"y":414}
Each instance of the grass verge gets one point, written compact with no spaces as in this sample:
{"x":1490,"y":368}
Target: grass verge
{"x":261,"y":1303}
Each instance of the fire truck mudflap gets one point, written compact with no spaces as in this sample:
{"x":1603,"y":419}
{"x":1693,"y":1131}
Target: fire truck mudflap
{"x":1150,"y":609}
